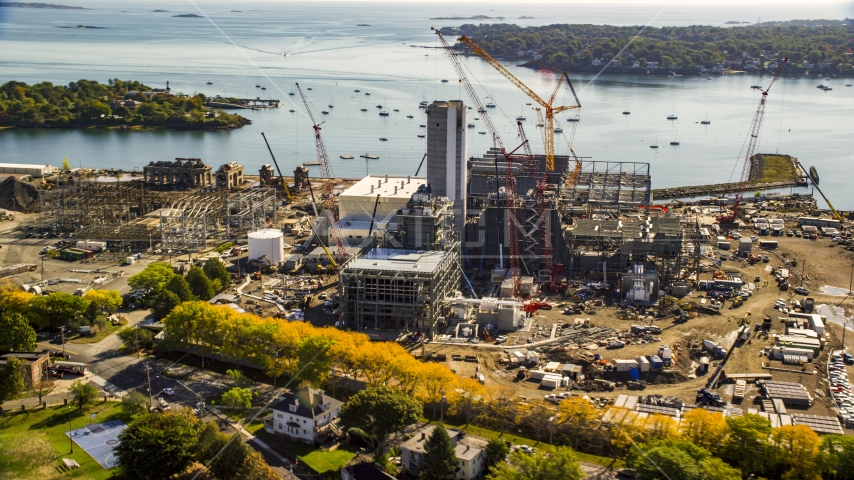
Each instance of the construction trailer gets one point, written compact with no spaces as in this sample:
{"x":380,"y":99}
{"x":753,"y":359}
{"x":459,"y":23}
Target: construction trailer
{"x":397,"y":289}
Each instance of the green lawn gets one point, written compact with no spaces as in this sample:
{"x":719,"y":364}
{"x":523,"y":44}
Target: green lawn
{"x":108,"y":330}
{"x":517,"y":440}
{"x":32,"y":445}
{"x":777,"y":168}
{"x":320,"y":460}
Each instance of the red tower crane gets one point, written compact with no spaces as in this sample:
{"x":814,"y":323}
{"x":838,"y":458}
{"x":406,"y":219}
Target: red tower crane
{"x":326,"y":174}
{"x":755,"y":127}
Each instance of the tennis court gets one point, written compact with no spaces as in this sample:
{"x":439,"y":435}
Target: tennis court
{"x":98,"y":440}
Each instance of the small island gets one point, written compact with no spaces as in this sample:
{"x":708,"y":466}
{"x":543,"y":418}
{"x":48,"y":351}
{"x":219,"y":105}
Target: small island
{"x":363,"y":25}
{"x":525,"y":17}
{"x":187,"y":15}
{"x":734,"y":22}
{"x":78,"y":26}
{"x":160,"y":11}
{"x":236,"y":11}
{"x":474,"y":17}
{"x":39,"y":5}
{"x":116,"y":105}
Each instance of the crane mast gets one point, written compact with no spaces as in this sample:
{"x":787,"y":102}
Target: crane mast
{"x":496,"y":140}
{"x":755,"y":129}
{"x":326,"y":173}
{"x":550,"y":110}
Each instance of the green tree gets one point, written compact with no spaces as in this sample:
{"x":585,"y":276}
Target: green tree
{"x":58,"y":309}
{"x":379,"y":412}
{"x":746,"y":445}
{"x":84,"y":393}
{"x":11,"y":380}
{"x":496,"y":452}
{"x":561,"y":463}
{"x":716,"y":469}
{"x":135,"y":402}
{"x":237,"y":461}
{"x":838,"y":456}
{"x":178,"y":285}
{"x":16,"y":333}
{"x":154,"y":277}
{"x":136,"y":338}
{"x":814,"y":56}
{"x":215,"y":270}
{"x":238,"y":397}
{"x":439,"y":461}
{"x":239,"y":377}
{"x":200,"y":284}
{"x":164,"y":303}
{"x":158,"y":446}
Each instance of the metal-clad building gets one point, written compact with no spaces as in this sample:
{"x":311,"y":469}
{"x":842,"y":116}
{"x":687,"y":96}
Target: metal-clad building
{"x":447,"y":154}
{"x":26,"y":169}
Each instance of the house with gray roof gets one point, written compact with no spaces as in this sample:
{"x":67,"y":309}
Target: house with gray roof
{"x":304,"y":415}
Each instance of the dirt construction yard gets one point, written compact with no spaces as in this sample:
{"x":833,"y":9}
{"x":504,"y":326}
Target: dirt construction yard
{"x":821,"y":262}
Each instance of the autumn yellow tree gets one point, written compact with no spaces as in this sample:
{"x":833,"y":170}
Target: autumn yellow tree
{"x":704,"y":428}
{"x":13,"y":299}
{"x":798,"y":449}
{"x":434,"y":382}
{"x":578,"y":416}
{"x":466,"y":399}
{"x":104,"y":300}
{"x":376,"y":362}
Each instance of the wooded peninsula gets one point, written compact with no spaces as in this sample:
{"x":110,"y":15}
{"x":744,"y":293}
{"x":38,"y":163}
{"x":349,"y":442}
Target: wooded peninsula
{"x":120,"y":104}
{"x":822,"y":47}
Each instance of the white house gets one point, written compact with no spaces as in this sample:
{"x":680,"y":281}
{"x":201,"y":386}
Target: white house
{"x":305,"y":415}
{"x":470,"y":452}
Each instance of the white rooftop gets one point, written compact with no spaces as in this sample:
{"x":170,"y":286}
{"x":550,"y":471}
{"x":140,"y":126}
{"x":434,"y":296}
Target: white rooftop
{"x":384,"y":185}
{"x":400,"y":259}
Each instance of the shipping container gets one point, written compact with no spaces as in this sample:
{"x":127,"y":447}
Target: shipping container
{"x":91,"y":246}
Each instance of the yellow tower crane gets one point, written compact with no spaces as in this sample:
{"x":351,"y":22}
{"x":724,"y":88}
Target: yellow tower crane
{"x":550,"y":111}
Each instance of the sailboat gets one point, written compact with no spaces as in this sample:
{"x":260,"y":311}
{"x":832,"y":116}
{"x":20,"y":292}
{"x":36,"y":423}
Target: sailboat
{"x":706,"y":121}
{"x":675,"y":141}
{"x":673,"y":115}
{"x":258,"y":84}
{"x":654,"y":145}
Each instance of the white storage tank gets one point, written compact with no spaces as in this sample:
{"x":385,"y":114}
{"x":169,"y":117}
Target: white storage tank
{"x":268,"y":242}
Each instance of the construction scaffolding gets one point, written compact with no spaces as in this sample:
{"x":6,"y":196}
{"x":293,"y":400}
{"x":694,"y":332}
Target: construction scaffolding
{"x":398,"y":290}
{"x":130,"y":217}
{"x":608,"y":188}
{"x":489,"y":217}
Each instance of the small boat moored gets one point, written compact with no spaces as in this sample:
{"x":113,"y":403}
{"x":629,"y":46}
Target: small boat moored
{"x":346,"y":157}
{"x":383,"y":139}
{"x":409,"y":116}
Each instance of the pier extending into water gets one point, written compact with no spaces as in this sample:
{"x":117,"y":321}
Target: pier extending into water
{"x":720,"y":188}
{"x":243,"y":103}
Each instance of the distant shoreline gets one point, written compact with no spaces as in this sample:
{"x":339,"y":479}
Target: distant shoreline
{"x":39,"y":5}
{"x":475,"y":17}
{"x":79,"y":26}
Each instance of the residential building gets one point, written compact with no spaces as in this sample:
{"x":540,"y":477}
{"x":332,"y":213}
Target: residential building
{"x":183,"y":172}
{"x":635,"y":64}
{"x":596,"y":62}
{"x":35,"y":364}
{"x":808,"y":65}
{"x":470,"y":452}
{"x":305,"y":415}
{"x":364,"y":471}
{"x":229,"y":176}
{"x":652,"y":65}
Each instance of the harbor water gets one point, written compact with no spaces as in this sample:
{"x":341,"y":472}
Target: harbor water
{"x":394,"y":58}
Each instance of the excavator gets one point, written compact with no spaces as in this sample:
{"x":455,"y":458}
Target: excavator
{"x":486,"y":336}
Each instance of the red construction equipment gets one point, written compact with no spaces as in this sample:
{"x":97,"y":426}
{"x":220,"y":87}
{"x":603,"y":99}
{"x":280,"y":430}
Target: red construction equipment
{"x":755,"y":127}
{"x":326,"y":174}
{"x":487,"y":336}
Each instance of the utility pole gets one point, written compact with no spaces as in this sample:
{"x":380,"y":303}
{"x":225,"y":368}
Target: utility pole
{"x":62,"y":332}
{"x":70,"y":441}
{"x":42,"y":267}
{"x":150,"y":399}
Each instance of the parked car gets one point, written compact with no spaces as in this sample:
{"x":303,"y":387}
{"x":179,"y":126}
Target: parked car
{"x":526,"y":449}
{"x":798,"y":233}
{"x":789,"y":233}
{"x":802,"y":291}
{"x":849,"y":359}
{"x":168,"y":391}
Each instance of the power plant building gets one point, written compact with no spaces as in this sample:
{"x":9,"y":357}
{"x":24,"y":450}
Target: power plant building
{"x":182,"y":173}
{"x":396,"y":289}
{"x":447,"y":154}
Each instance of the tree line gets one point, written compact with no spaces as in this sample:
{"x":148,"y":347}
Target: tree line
{"x":573,"y":48}
{"x":89,"y":103}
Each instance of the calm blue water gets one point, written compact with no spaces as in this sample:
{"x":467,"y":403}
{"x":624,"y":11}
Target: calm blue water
{"x":329,"y":53}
